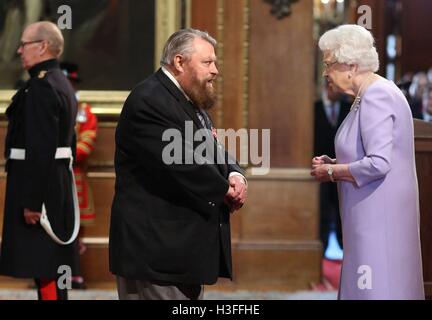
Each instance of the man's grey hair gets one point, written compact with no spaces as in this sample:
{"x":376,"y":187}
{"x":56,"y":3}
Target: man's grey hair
{"x":49,"y":31}
{"x":180,"y":42}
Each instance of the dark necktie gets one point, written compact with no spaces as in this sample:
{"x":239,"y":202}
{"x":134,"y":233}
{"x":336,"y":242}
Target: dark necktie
{"x":204,"y":119}
{"x":201,"y":118}
{"x":199,"y":115}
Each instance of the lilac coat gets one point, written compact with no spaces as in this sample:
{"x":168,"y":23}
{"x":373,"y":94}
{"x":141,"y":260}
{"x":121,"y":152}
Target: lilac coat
{"x":380,"y":211}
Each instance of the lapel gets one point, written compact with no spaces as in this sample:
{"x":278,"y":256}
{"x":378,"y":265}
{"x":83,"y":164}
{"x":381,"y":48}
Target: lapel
{"x":184,"y":103}
{"x":190,"y":110}
{"x":220,"y":150}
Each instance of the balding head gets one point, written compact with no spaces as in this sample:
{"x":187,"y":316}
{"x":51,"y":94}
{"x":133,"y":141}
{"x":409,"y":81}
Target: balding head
{"x":40,"y":41}
{"x":46,"y":30}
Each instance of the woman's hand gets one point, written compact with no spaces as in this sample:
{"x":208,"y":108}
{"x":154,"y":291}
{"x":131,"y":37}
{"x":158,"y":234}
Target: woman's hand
{"x":340,"y":172}
{"x":324,"y":159}
{"x":319,"y":172}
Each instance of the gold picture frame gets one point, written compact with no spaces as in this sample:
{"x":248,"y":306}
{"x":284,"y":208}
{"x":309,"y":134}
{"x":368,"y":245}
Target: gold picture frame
{"x":109,"y":103}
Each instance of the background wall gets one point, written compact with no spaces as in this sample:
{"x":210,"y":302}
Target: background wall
{"x":266,"y":82}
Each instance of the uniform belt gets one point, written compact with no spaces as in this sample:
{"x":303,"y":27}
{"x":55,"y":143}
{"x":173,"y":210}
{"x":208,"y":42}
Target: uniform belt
{"x":61,"y":153}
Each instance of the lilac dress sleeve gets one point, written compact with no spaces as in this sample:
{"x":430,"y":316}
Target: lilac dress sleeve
{"x":376,"y":127}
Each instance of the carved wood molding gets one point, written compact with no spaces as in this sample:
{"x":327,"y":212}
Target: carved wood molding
{"x":281,"y":8}
{"x":283,"y":174}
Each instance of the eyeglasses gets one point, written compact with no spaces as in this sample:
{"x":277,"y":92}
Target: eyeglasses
{"x":328,"y":65}
{"x":24,"y":43}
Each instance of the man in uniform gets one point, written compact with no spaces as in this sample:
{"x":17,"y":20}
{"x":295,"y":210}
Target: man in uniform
{"x":38,"y":149}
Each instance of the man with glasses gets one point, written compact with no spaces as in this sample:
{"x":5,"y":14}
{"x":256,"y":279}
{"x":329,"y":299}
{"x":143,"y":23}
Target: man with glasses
{"x":38,"y":148}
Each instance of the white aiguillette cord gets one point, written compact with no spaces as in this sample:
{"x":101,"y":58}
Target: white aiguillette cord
{"x":44,"y":217}
{"x":61,"y":153}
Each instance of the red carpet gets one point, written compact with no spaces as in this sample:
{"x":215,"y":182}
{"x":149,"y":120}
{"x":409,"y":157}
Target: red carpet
{"x":330,"y":276}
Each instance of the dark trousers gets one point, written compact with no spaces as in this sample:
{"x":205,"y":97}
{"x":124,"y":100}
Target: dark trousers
{"x":48,"y":289}
{"x":329,"y":214}
{"x":129,"y":289}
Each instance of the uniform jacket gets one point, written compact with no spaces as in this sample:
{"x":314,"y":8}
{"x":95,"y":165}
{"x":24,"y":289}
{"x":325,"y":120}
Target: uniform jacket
{"x":41,"y":118}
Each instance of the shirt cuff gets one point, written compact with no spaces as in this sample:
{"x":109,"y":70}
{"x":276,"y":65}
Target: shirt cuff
{"x":235,"y":173}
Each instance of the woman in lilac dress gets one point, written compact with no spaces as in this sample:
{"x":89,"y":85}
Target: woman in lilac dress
{"x":375,"y":172}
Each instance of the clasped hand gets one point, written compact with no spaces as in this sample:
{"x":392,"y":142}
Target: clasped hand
{"x":320,"y":165}
{"x":237,"y":193}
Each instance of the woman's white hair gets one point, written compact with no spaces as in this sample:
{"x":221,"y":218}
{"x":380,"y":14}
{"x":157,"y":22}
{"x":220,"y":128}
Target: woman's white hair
{"x":351,"y":44}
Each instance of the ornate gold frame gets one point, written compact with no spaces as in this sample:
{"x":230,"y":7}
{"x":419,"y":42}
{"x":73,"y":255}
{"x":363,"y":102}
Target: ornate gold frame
{"x":110,"y":103}
{"x":5,"y":97}
{"x":103,"y":102}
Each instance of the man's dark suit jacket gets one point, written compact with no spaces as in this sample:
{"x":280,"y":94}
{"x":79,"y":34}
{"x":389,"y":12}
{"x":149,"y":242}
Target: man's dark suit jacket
{"x":324,"y":144}
{"x":324,"y":132}
{"x":169,"y":223}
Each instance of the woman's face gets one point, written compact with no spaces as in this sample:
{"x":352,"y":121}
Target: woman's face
{"x":337,"y":73}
